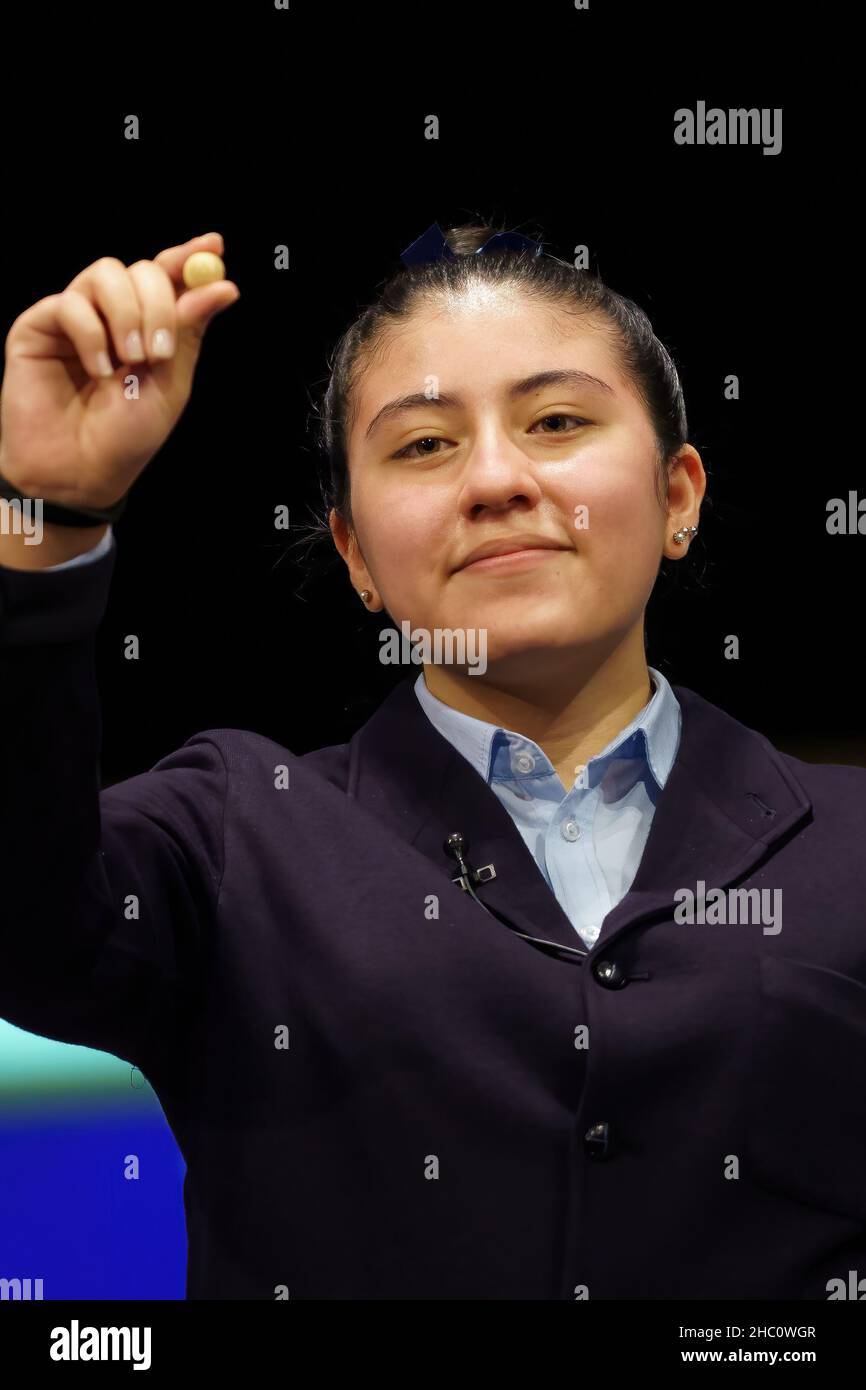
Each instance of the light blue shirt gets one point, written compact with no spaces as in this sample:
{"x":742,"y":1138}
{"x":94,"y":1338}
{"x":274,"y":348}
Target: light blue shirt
{"x":587,"y":840}
{"x":94,"y":553}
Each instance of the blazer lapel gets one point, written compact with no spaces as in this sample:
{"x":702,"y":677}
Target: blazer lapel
{"x":406,"y":772}
{"x":729,"y":799}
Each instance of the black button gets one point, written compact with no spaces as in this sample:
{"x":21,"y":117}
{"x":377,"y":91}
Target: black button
{"x":609,"y":974}
{"x":596,"y":1140}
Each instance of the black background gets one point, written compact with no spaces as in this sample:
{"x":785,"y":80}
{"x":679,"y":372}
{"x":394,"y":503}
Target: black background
{"x":552,"y":121}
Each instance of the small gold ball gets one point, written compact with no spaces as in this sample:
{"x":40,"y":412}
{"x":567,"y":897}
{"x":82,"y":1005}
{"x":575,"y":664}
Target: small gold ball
{"x":202,"y":268}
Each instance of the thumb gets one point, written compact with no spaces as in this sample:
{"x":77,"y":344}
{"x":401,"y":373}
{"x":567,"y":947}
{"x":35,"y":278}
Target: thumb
{"x":196,"y":308}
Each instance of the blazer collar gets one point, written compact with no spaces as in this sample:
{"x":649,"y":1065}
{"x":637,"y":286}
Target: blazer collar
{"x":729,"y":799}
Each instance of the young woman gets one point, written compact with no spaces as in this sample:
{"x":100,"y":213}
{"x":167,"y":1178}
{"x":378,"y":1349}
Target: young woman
{"x":551,"y":982}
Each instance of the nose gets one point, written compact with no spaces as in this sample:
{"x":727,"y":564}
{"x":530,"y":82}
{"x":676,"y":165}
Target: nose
{"x":497,"y":473}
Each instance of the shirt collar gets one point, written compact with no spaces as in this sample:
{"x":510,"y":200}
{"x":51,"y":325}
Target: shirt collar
{"x":651,"y":737}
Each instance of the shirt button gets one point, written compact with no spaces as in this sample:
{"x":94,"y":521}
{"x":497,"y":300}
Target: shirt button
{"x":570,"y":830}
{"x":522,"y":762}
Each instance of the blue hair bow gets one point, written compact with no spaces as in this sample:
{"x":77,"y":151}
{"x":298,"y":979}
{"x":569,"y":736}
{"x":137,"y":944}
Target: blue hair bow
{"x":432,"y":246}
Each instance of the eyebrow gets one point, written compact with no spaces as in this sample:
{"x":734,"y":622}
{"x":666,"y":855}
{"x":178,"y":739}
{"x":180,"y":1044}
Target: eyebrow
{"x":524,"y":387}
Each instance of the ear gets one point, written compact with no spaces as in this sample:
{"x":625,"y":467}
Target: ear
{"x":686,"y":487}
{"x":347,"y":544}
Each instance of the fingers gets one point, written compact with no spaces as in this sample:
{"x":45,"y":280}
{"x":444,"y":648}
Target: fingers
{"x":110,"y":288}
{"x":157,"y":303}
{"x":142,"y":312}
{"x":75,"y":316}
{"x":196,"y":308}
{"x":140,"y":306}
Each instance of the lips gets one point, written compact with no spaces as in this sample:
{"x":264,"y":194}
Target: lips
{"x":507,"y":545}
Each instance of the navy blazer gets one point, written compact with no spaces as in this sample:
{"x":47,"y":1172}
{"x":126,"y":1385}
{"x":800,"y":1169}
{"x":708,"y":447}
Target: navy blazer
{"x":382,"y":1091}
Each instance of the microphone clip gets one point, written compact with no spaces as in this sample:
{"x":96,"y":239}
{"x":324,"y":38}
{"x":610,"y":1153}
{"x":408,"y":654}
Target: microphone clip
{"x":455,"y":847}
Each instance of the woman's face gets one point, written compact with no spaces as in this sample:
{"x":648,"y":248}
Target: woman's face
{"x":487,"y":451}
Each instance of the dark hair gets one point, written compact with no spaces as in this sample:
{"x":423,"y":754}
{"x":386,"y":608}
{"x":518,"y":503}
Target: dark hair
{"x":642,"y":357}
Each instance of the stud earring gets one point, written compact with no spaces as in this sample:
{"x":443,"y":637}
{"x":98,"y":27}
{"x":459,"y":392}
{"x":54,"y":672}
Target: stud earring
{"x":366,"y":595}
{"x":679,"y":536}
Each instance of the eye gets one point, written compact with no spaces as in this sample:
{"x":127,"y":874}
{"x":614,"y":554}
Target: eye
{"x":427,"y":439}
{"x":544,"y":420}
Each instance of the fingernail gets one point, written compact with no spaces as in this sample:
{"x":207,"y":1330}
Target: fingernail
{"x":163,"y":343}
{"x":134,"y":344}
{"x":103,"y":364}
